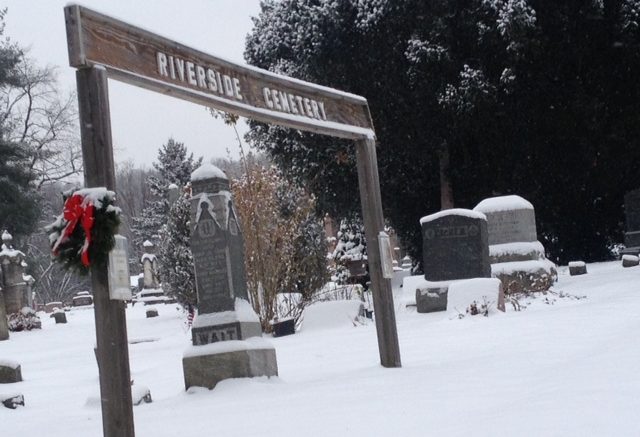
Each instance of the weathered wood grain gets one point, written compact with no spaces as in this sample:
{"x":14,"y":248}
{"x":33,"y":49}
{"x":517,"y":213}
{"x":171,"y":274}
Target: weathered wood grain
{"x":130,"y":54}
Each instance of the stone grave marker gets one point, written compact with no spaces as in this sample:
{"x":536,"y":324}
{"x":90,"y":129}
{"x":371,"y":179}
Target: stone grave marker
{"x":10,"y":372}
{"x":224,"y":312}
{"x":632,"y":221}
{"x":149,"y":266}
{"x":59,"y":317}
{"x":517,"y":257}
{"x":152,"y":312}
{"x":629,"y":260}
{"x":12,"y":401}
{"x":455,"y":246}
{"x":577,"y":268}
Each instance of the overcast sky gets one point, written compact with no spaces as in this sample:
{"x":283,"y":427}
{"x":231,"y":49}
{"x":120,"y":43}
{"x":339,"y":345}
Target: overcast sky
{"x":142,"y":120}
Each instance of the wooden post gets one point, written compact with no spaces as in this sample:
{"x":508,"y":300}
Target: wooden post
{"x":111,"y":327}
{"x":373,"y":224}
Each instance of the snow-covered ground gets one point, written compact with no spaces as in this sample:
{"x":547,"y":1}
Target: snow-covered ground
{"x":561,"y":367}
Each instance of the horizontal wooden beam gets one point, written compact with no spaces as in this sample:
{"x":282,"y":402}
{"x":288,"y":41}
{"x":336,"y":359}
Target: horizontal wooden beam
{"x":139,"y":57}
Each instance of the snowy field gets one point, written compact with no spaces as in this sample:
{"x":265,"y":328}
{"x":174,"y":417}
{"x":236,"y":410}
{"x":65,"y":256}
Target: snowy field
{"x":561,"y":367}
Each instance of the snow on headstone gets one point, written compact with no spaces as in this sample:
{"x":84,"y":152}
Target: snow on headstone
{"x":629,"y":260}
{"x":509,"y":219}
{"x":517,"y":257}
{"x":207,"y":171}
{"x":577,"y":268}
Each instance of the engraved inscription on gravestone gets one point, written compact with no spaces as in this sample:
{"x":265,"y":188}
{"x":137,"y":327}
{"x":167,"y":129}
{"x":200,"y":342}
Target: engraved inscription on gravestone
{"x":511,"y":225}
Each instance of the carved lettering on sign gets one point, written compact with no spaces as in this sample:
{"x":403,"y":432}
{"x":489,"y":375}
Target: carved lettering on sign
{"x":293,"y":104}
{"x":197,"y":75}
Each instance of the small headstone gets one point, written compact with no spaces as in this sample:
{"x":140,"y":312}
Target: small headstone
{"x":629,"y":260}
{"x":432,"y":297}
{"x":60,"y":317}
{"x":152,"y":312}
{"x":12,"y":401}
{"x":10,"y":372}
{"x":284,"y":327}
{"x":632,"y":219}
{"x":577,"y":268}
{"x":83,"y":298}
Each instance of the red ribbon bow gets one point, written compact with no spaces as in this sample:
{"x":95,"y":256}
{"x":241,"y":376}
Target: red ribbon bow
{"x":76,"y":211}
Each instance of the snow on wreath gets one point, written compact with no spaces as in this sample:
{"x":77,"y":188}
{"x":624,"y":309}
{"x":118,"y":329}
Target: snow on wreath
{"x":84,"y":233}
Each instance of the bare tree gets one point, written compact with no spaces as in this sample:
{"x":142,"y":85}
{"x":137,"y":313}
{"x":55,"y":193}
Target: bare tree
{"x":35,"y":114}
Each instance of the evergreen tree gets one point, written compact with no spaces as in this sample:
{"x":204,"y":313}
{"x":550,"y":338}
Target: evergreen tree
{"x":469,"y":100}
{"x":175,"y":258}
{"x":18,"y":199}
{"x":174,"y":166}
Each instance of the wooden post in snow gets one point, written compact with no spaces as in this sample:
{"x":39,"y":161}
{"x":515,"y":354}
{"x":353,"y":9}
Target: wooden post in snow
{"x":111,"y":326}
{"x":374,"y":224}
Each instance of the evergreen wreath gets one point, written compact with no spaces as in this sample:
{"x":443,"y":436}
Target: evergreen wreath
{"x":84,"y":233}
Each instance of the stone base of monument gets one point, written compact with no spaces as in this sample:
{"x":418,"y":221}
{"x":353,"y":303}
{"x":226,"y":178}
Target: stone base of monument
{"x":577,"y":268}
{"x":432,"y":296}
{"x":10,"y":372}
{"x":514,"y":252}
{"x":207,"y":365}
{"x":525,"y":276}
{"x":477,"y":296}
{"x":629,"y":260}
{"x":238,"y":324}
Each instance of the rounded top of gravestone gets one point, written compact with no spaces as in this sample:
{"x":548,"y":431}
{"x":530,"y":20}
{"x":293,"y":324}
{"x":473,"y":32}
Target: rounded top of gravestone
{"x":453,"y":212}
{"x":207,"y":171}
{"x":503,"y":203}
{"x":172,"y":187}
{"x":6,"y":237}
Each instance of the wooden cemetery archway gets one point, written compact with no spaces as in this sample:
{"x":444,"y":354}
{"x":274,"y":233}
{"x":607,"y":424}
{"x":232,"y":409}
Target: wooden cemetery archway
{"x":101,"y":47}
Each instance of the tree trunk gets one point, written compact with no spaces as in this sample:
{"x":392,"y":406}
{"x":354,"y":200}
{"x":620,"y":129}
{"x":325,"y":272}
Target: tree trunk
{"x":446,"y":189}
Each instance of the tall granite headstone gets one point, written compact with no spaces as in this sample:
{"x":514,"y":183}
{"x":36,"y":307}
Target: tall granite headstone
{"x":224,"y":312}
{"x":632,"y":219}
{"x":455,"y":246}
